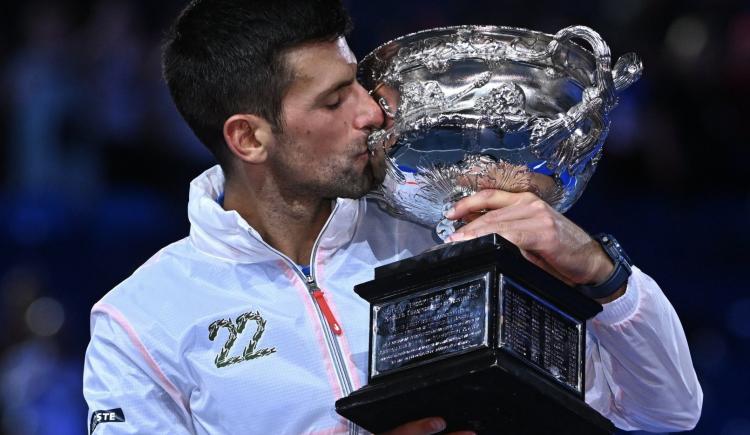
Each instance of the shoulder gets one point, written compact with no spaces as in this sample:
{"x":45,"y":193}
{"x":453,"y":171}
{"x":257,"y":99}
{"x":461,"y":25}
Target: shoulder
{"x":155,"y":279}
{"x":164,"y":296}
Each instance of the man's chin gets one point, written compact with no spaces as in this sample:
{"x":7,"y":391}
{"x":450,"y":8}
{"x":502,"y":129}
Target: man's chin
{"x":356,"y":189}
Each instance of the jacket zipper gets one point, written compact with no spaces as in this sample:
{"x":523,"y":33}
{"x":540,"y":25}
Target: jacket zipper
{"x":325,"y":316}
{"x":330,"y":326}
{"x":319,"y":297}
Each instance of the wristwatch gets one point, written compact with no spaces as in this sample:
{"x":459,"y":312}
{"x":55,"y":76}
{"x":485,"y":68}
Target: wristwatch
{"x":619,"y":276}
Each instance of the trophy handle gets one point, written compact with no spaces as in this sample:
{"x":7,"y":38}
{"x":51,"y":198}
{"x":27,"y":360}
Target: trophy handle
{"x":626,"y":71}
{"x":598,"y":99}
{"x":603,"y":81}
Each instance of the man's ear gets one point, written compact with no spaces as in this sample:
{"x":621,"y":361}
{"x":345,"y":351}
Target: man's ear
{"x":248,"y":137}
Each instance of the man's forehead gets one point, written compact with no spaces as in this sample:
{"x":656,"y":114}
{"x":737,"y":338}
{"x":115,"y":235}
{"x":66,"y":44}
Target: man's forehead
{"x":317,"y":66}
{"x":314,"y":58}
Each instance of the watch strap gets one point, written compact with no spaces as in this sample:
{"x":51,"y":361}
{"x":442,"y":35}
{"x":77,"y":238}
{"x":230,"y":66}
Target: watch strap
{"x":620,"y":274}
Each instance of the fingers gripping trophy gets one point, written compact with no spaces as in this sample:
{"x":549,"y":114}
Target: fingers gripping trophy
{"x":472,"y":331}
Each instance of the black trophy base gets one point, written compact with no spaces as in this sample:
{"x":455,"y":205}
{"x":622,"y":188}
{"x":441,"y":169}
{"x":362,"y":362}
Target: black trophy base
{"x":485,"y":391}
{"x":474,"y":333}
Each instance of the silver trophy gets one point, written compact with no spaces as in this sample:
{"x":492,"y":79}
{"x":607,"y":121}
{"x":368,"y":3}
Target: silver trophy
{"x":472,"y":331}
{"x":474,"y":107}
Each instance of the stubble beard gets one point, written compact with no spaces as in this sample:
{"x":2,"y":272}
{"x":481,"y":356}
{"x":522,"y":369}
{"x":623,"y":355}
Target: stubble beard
{"x":336,"y":178}
{"x":345,"y":182}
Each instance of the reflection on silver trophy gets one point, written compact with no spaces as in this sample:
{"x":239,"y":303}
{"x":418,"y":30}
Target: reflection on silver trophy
{"x":475,"y":107}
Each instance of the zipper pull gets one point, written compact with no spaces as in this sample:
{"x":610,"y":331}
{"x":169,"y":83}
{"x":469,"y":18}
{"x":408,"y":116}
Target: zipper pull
{"x":327,"y":313}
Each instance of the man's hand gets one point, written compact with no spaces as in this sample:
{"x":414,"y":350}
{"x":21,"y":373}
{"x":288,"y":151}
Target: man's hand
{"x":426,"y":426}
{"x":545,"y":237}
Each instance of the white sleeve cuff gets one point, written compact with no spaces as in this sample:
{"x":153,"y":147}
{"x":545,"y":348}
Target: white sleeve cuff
{"x":623,"y":307}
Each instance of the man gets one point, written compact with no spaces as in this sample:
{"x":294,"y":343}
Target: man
{"x":250,"y":324}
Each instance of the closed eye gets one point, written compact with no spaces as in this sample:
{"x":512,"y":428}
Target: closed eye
{"x":334,"y":105}
{"x":335,"y":96}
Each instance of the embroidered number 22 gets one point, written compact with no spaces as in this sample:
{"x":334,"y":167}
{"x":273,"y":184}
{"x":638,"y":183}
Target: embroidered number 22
{"x":223,"y":359}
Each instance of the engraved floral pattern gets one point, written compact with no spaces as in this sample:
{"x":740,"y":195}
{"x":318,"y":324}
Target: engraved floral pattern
{"x":503,"y":106}
{"x":436,"y":54}
{"x":419,"y":96}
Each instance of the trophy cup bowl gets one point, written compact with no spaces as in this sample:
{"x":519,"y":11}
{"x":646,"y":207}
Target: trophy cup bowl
{"x":472,"y":331}
{"x":474,"y":107}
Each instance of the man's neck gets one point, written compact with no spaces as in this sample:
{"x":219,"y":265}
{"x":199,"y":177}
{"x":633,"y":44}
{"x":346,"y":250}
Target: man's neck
{"x":290,"y":224}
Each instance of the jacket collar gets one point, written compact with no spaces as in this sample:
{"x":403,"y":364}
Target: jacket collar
{"x":225,"y":234}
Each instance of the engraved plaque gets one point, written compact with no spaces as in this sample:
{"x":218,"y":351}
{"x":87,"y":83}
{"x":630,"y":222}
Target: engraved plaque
{"x":541,"y":334}
{"x":475,"y":333}
{"x":430,"y":324}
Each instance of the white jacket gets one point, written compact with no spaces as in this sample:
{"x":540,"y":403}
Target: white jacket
{"x":161,"y":356}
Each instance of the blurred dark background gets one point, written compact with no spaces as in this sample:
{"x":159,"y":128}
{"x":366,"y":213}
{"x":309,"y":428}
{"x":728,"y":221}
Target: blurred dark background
{"x":96,"y":164}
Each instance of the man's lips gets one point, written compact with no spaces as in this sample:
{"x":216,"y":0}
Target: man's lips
{"x":363,"y":152}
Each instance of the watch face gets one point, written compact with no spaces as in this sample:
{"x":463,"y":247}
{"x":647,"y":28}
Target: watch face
{"x":615,"y":249}
{"x":620,"y":274}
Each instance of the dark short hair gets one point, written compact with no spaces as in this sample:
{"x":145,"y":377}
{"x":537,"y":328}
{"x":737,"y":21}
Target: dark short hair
{"x":223,"y":57}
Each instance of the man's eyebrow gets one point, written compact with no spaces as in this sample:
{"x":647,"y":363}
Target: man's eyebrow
{"x":335,"y":87}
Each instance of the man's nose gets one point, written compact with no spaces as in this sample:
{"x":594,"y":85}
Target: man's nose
{"x":370,"y":115}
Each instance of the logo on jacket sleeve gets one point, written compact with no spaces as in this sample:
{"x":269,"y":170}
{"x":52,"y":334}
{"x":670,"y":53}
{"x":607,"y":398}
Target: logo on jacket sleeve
{"x":235,"y":329}
{"x":108,"y":416}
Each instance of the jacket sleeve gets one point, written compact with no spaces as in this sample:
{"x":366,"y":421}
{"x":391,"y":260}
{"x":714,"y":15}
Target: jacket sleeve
{"x":126,"y":391}
{"x":639,"y":373}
